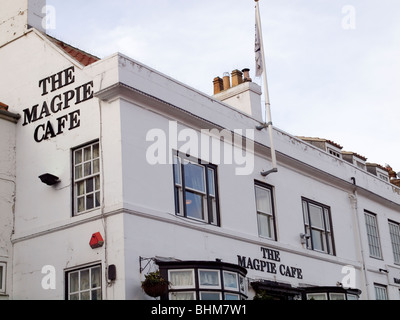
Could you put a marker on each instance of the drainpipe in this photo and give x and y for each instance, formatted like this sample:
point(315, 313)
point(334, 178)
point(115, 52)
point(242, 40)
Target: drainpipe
point(359, 243)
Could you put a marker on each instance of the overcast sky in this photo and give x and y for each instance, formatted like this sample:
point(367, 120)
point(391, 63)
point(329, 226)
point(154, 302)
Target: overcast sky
point(333, 66)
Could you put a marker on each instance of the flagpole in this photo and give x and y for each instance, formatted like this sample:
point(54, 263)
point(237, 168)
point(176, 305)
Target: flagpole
point(266, 93)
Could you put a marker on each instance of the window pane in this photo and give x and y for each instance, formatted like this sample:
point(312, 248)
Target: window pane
point(95, 277)
point(97, 199)
point(182, 278)
point(210, 296)
point(316, 216)
point(84, 279)
point(316, 296)
point(88, 153)
point(96, 166)
point(336, 296)
point(74, 296)
point(78, 156)
point(263, 200)
point(194, 205)
point(74, 282)
point(209, 278)
point(96, 294)
point(97, 183)
point(265, 227)
point(181, 296)
point(87, 169)
point(89, 185)
point(230, 280)
point(211, 184)
point(80, 188)
point(242, 285)
point(78, 172)
point(85, 295)
point(194, 177)
point(89, 201)
point(305, 213)
point(177, 170)
point(231, 296)
point(95, 151)
point(81, 204)
point(317, 238)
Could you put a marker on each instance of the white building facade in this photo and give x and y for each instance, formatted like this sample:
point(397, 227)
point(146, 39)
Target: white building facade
point(110, 170)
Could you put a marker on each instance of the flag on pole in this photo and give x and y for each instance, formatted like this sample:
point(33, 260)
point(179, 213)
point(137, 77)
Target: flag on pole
point(257, 50)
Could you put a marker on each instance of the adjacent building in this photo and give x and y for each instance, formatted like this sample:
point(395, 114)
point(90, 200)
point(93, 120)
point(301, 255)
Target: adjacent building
point(110, 170)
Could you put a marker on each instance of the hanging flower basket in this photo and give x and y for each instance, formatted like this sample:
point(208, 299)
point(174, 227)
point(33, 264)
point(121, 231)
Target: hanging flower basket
point(154, 285)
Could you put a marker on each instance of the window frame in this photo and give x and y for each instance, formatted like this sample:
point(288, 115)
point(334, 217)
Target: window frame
point(327, 230)
point(271, 217)
point(79, 270)
point(395, 240)
point(3, 271)
point(377, 236)
point(92, 176)
point(196, 267)
point(210, 196)
point(384, 291)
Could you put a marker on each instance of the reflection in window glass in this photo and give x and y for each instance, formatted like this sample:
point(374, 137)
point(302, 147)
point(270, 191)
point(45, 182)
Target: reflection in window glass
point(209, 278)
point(210, 296)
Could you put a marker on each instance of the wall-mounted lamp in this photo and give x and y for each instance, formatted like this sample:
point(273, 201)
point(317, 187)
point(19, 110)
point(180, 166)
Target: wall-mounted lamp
point(304, 237)
point(49, 179)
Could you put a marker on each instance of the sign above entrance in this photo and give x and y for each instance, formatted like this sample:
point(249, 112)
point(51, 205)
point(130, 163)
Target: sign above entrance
point(270, 263)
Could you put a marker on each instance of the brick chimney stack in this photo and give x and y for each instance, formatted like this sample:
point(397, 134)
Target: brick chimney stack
point(243, 95)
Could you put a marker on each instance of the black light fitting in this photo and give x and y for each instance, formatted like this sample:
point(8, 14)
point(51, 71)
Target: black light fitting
point(49, 179)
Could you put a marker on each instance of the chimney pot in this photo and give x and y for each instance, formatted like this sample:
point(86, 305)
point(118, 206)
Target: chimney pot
point(246, 75)
point(226, 81)
point(218, 85)
point(237, 77)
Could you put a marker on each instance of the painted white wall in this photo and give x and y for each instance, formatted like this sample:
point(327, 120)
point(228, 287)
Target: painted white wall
point(137, 217)
point(7, 198)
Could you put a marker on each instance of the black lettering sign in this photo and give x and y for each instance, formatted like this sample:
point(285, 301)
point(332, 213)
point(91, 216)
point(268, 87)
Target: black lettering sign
point(265, 264)
point(57, 104)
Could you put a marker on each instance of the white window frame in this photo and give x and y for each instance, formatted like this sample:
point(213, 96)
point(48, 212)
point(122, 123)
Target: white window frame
point(175, 294)
point(374, 242)
point(219, 293)
point(84, 179)
point(394, 231)
point(380, 291)
point(175, 287)
point(237, 296)
point(313, 295)
point(236, 288)
point(269, 215)
point(206, 286)
point(90, 289)
point(3, 271)
point(333, 294)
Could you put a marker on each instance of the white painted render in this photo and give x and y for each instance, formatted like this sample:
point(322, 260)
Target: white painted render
point(137, 215)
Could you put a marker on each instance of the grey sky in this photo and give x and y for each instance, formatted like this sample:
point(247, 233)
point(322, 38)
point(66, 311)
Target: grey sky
point(324, 80)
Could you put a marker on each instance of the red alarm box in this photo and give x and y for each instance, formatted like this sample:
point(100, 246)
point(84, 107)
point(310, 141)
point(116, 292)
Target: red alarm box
point(96, 240)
